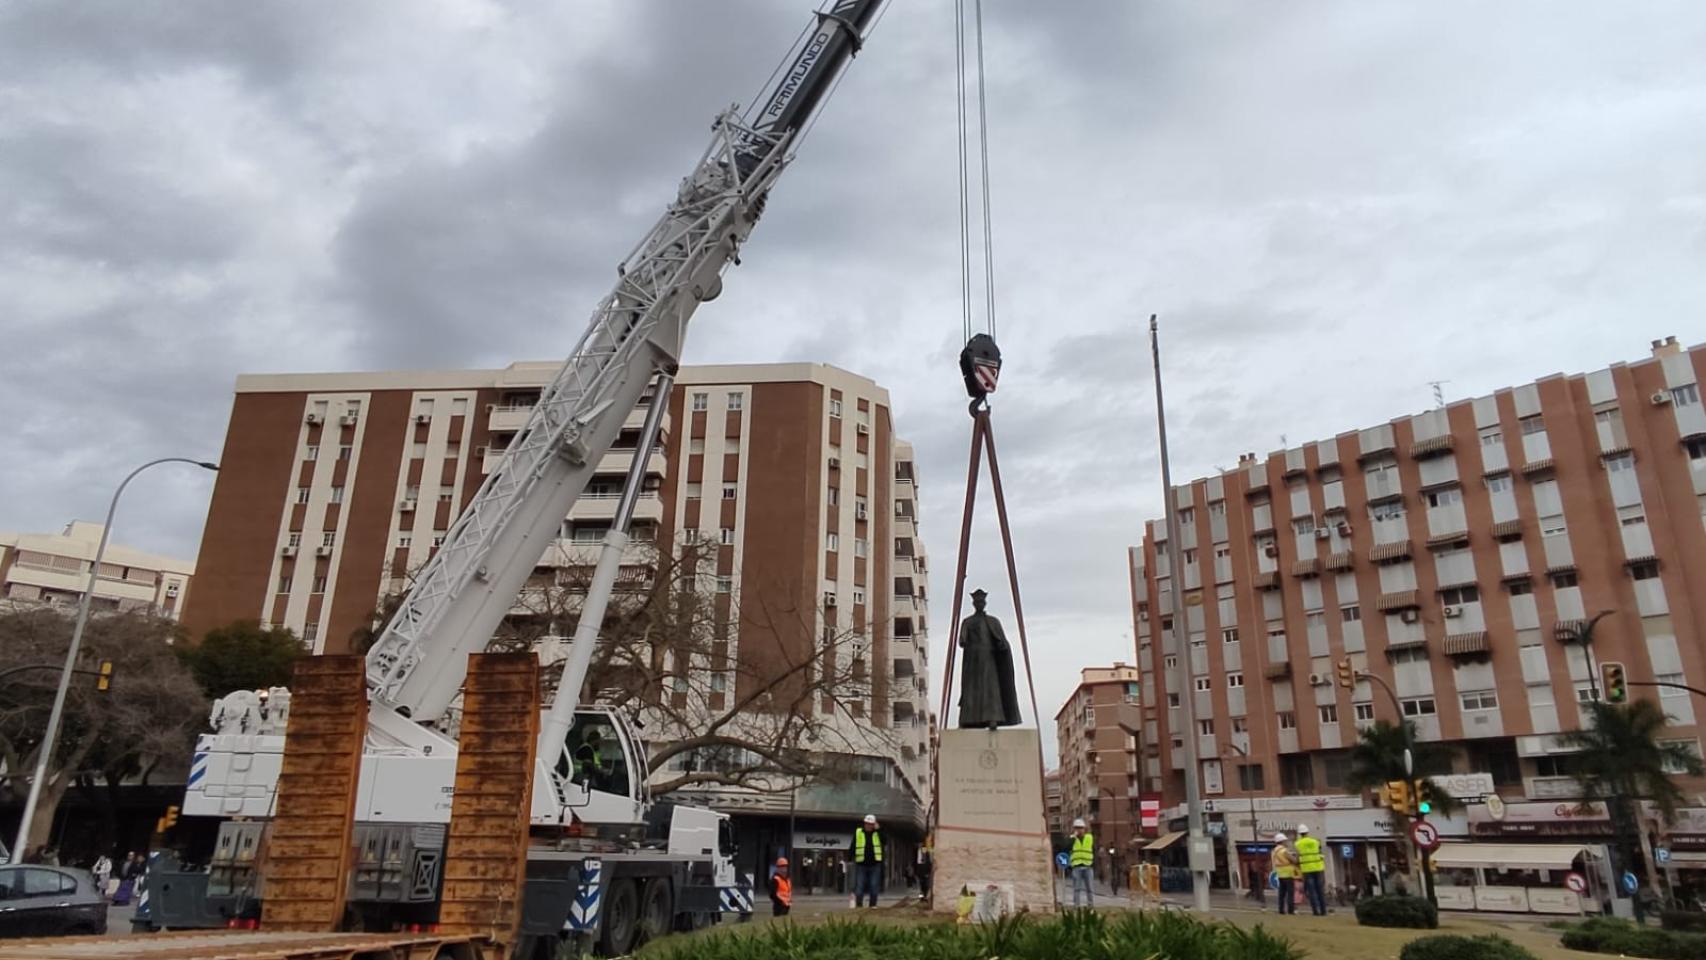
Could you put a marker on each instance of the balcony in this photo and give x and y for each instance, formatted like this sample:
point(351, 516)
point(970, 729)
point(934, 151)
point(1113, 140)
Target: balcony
point(1551, 788)
point(510, 418)
point(602, 506)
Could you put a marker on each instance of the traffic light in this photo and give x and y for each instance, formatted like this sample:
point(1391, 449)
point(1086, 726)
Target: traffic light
point(1424, 806)
point(1347, 675)
point(1398, 796)
point(1611, 679)
point(104, 676)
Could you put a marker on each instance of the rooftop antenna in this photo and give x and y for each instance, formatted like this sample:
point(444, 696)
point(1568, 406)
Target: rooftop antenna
point(1439, 393)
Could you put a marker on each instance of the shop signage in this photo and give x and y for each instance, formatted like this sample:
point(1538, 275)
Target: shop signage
point(1464, 786)
point(1556, 818)
point(1149, 807)
point(814, 840)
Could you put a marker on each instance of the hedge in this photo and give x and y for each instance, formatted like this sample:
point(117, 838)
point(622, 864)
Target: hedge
point(1606, 935)
point(1079, 935)
point(1453, 947)
point(1693, 920)
point(1397, 910)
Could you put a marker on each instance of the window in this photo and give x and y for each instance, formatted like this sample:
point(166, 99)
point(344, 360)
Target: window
point(1287, 720)
point(1205, 727)
point(1217, 508)
point(861, 547)
point(834, 497)
point(1419, 707)
point(1187, 515)
point(1480, 700)
point(1407, 655)
point(1364, 712)
point(1445, 497)
point(1229, 635)
point(301, 494)
point(1490, 437)
point(310, 631)
point(1552, 526)
point(1645, 570)
point(1453, 596)
point(1671, 767)
point(319, 584)
point(311, 452)
point(344, 451)
point(337, 494)
point(1520, 588)
point(1620, 463)
point(446, 493)
point(1170, 661)
point(295, 540)
point(1350, 614)
point(1172, 701)
point(1240, 724)
point(418, 450)
point(1234, 681)
point(1559, 766)
point(1586, 693)
point(737, 401)
point(1499, 483)
point(727, 535)
point(727, 585)
point(1198, 645)
point(701, 401)
point(284, 583)
point(405, 540)
point(1672, 691)
point(858, 595)
point(329, 538)
point(1329, 712)
point(1686, 395)
point(1303, 525)
point(719, 683)
point(1250, 777)
point(1204, 684)
point(1532, 425)
point(1696, 447)
point(438, 538)
point(832, 542)
point(1563, 578)
point(730, 491)
point(1190, 554)
point(1389, 510)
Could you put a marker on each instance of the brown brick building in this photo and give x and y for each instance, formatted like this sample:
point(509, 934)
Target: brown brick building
point(1446, 552)
point(1098, 772)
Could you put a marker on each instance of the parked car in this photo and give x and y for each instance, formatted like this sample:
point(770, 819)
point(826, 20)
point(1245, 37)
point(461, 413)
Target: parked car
point(37, 901)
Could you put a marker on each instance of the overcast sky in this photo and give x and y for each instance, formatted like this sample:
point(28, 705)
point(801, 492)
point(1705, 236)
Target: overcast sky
point(1329, 204)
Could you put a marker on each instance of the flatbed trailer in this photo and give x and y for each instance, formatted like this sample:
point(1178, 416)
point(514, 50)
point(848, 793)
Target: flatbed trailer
point(255, 945)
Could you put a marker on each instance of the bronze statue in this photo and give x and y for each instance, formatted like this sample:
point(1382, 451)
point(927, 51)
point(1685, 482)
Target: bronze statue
point(988, 697)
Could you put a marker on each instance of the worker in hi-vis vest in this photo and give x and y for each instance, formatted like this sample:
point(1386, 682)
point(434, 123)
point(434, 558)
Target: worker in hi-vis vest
point(1285, 873)
point(1082, 858)
point(1313, 867)
point(867, 856)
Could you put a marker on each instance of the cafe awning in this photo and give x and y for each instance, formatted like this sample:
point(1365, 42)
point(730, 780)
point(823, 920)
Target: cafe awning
point(1508, 856)
point(1165, 840)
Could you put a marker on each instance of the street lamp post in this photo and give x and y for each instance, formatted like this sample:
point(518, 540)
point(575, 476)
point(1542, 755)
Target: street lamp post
point(57, 713)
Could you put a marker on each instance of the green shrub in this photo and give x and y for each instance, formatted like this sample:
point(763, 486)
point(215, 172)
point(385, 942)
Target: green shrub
point(1453, 947)
point(1080, 935)
point(1606, 935)
point(1690, 920)
point(1397, 910)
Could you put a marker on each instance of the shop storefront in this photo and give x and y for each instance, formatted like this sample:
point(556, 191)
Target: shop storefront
point(1521, 877)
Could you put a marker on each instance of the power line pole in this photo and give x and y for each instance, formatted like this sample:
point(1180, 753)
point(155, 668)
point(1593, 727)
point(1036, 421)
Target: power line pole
point(1187, 711)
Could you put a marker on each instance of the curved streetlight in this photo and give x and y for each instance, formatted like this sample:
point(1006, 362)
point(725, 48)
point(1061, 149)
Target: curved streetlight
point(50, 737)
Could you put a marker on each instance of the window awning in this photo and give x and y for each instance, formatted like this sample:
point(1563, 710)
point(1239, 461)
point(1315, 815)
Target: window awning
point(1165, 840)
point(1508, 856)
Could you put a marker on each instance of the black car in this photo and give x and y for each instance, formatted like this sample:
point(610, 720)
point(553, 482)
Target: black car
point(38, 901)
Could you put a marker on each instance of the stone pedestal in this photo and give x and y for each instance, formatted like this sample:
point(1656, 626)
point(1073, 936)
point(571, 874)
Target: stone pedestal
point(990, 827)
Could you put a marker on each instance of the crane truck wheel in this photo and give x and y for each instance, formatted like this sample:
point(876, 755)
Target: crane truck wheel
point(657, 910)
point(621, 917)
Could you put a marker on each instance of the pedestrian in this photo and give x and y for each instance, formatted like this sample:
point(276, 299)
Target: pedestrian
point(781, 889)
point(1082, 863)
point(1285, 869)
point(926, 866)
point(867, 861)
point(103, 871)
point(1313, 867)
point(132, 866)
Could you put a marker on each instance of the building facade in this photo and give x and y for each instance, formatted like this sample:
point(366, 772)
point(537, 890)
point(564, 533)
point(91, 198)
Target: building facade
point(52, 569)
point(787, 477)
point(1099, 762)
point(1449, 553)
point(1054, 805)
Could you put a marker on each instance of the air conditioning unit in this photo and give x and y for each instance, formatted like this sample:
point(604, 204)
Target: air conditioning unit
point(1344, 529)
point(171, 589)
point(313, 418)
point(829, 598)
point(423, 418)
point(407, 504)
point(1408, 616)
point(347, 419)
point(1319, 680)
point(1661, 398)
point(1453, 612)
point(859, 512)
point(322, 551)
point(1322, 533)
point(1272, 551)
point(288, 551)
point(864, 428)
point(835, 463)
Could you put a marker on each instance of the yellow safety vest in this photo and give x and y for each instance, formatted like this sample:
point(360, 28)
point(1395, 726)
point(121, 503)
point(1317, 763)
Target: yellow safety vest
point(1309, 855)
point(1083, 850)
point(859, 846)
point(1285, 865)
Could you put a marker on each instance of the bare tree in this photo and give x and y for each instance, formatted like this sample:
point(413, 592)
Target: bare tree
point(147, 720)
point(749, 694)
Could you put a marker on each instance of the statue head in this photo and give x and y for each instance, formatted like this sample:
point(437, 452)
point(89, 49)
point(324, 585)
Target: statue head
point(977, 600)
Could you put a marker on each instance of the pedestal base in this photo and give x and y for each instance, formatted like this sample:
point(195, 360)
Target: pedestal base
point(990, 827)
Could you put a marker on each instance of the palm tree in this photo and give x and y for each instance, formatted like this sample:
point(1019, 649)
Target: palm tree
point(1620, 759)
point(1378, 758)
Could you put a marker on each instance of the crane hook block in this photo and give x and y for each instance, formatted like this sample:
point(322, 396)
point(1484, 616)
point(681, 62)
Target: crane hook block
point(980, 364)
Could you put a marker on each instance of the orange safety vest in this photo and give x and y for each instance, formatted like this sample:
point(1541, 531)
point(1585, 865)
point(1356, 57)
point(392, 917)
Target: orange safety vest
point(784, 890)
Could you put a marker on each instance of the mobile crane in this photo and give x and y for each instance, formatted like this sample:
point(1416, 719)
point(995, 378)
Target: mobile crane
point(650, 853)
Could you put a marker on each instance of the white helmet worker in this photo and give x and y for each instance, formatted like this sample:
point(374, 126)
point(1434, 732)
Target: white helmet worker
point(1279, 838)
point(1303, 829)
point(1078, 823)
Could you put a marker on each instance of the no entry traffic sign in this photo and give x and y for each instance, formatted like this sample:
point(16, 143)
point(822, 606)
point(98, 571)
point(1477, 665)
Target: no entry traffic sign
point(1576, 882)
point(1425, 834)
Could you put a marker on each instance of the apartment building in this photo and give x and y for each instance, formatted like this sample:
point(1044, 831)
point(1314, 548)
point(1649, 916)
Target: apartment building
point(53, 568)
point(1054, 805)
point(1450, 553)
point(1098, 774)
point(334, 488)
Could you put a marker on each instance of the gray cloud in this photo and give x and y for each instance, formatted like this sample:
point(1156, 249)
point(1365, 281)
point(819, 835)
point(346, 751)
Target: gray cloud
point(1329, 204)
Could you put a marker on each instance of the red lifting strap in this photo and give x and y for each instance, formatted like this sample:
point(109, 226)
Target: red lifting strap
point(983, 441)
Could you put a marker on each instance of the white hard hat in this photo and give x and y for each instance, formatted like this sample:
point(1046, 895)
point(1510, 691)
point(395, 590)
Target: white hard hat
point(870, 818)
point(1302, 829)
point(1078, 822)
point(1279, 838)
